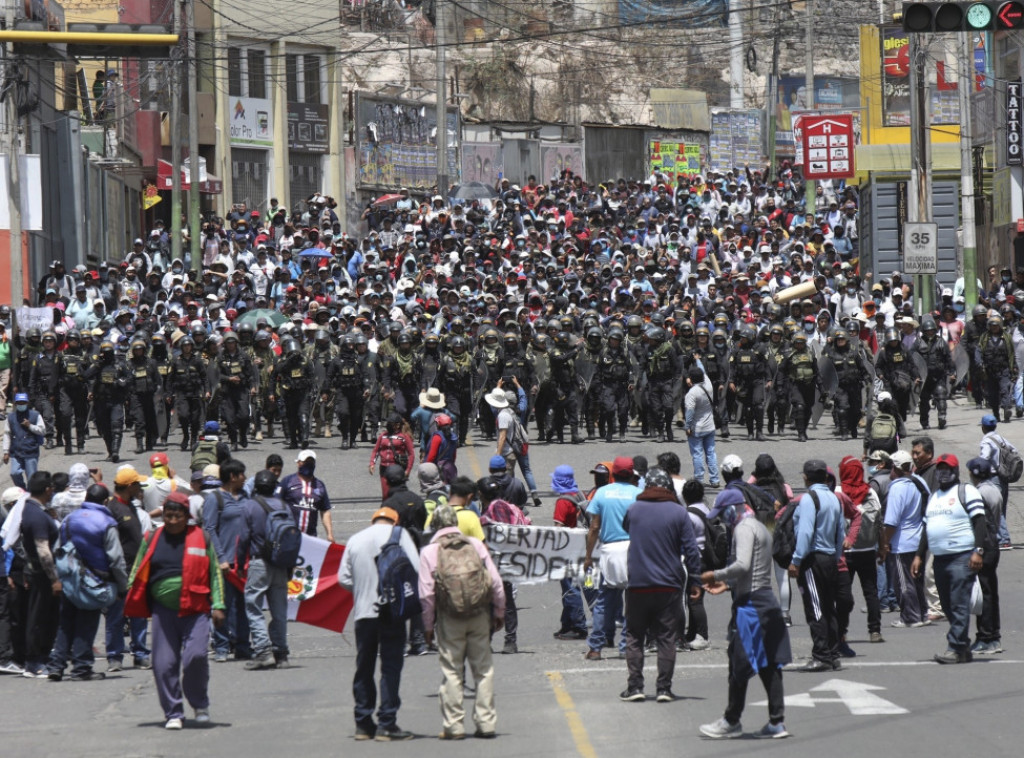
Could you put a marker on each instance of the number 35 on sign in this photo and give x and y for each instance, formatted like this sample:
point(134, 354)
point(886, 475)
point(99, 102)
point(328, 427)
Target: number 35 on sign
point(921, 248)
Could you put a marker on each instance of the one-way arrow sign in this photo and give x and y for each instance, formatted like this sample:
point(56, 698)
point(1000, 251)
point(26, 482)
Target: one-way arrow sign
point(858, 697)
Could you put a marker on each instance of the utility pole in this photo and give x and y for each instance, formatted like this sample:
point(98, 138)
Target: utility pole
point(967, 221)
point(194, 224)
point(919, 201)
point(772, 94)
point(735, 55)
point(442, 98)
point(12, 148)
point(809, 97)
point(175, 128)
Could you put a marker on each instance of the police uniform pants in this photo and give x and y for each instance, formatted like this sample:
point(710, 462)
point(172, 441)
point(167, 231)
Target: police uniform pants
point(110, 421)
point(45, 407)
point(459, 405)
point(934, 391)
point(190, 415)
point(801, 396)
point(660, 404)
point(296, 408)
point(753, 399)
point(348, 408)
point(566, 411)
point(997, 389)
point(406, 401)
point(613, 402)
point(234, 406)
point(142, 407)
point(849, 398)
point(74, 405)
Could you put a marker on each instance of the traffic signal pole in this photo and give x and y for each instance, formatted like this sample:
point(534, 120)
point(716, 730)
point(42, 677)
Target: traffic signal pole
point(920, 199)
point(967, 220)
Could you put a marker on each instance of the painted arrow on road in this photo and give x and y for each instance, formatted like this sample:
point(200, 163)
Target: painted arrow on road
point(858, 697)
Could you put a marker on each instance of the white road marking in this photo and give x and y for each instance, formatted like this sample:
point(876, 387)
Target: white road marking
point(699, 666)
point(858, 697)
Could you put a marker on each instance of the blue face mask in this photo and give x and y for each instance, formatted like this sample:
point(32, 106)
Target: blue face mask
point(809, 328)
point(21, 407)
point(958, 307)
point(307, 469)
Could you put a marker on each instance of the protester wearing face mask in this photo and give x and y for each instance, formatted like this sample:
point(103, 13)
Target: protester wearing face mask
point(955, 534)
point(22, 438)
point(307, 496)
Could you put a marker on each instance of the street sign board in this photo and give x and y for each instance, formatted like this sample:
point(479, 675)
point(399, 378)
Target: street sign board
point(1013, 124)
point(920, 248)
point(828, 146)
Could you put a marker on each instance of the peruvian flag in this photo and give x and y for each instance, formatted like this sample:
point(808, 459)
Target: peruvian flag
point(314, 595)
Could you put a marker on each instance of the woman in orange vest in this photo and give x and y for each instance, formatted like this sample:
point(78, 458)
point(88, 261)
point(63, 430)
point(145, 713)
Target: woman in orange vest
point(177, 580)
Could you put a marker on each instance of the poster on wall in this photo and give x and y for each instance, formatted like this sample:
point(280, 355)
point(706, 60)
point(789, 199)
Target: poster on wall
point(945, 103)
point(691, 14)
point(830, 93)
point(735, 139)
point(481, 162)
point(554, 159)
point(672, 158)
point(250, 122)
point(308, 126)
point(397, 145)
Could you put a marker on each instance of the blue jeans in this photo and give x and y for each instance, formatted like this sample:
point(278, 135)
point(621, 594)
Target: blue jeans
point(75, 634)
point(22, 469)
point(236, 627)
point(886, 592)
point(524, 466)
point(115, 634)
point(270, 582)
point(954, 581)
point(607, 608)
point(702, 450)
point(373, 635)
point(573, 617)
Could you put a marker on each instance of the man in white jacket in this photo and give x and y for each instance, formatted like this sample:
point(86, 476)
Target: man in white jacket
point(700, 425)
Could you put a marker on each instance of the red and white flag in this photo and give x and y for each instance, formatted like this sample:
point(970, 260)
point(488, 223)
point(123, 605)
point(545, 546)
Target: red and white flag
point(314, 595)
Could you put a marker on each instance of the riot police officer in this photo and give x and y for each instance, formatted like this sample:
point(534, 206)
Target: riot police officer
point(158, 352)
point(109, 379)
point(972, 334)
point(263, 360)
point(896, 370)
point(801, 380)
point(73, 403)
point(563, 374)
point(347, 381)
point(142, 387)
point(614, 379)
point(490, 360)
point(29, 350)
point(995, 354)
point(292, 380)
point(370, 364)
point(402, 376)
point(777, 401)
point(43, 383)
point(189, 389)
point(238, 383)
point(748, 373)
point(664, 366)
point(320, 352)
point(851, 371)
point(938, 361)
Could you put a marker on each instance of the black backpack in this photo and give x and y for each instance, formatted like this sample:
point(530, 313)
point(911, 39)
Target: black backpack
point(398, 584)
point(283, 539)
point(784, 536)
point(760, 500)
point(715, 554)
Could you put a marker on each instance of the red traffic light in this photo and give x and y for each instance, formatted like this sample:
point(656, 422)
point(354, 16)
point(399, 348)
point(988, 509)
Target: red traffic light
point(1010, 15)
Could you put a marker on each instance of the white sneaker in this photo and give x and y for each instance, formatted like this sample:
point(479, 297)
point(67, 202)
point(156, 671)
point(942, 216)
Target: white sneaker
point(173, 724)
point(12, 668)
point(202, 715)
point(772, 732)
point(699, 643)
point(721, 730)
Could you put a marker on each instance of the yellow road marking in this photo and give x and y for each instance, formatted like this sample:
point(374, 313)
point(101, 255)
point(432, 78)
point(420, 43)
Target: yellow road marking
point(579, 733)
point(474, 462)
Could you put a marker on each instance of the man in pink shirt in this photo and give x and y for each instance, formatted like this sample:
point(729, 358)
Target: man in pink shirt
point(463, 635)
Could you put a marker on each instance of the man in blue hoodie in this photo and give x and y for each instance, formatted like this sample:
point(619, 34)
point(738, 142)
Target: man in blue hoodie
point(820, 531)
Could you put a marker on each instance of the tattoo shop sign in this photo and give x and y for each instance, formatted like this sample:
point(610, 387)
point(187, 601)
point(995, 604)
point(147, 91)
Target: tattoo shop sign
point(535, 554)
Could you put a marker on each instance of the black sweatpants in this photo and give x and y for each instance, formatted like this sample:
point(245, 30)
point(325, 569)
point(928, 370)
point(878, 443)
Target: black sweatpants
point(652, 616)
point(863, 566)
point(818, 581)
point(771, 678)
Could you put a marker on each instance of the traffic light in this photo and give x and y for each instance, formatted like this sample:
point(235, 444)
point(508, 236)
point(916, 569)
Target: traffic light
point(962, 16)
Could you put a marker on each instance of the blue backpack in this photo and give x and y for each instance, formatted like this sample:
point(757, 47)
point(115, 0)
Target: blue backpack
point(398, 583)
point(283, 539)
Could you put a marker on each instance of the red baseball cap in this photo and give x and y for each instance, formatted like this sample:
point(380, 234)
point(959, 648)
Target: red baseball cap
point(622, 465)
point(948, 459)
point(159, 459)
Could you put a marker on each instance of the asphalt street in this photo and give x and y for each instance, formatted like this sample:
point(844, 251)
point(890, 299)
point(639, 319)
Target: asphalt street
point(890, 698)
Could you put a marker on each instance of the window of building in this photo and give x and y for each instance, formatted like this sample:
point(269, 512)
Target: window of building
point(312, 83)
point(235, 72)
point(257, 73)
point(291, 75)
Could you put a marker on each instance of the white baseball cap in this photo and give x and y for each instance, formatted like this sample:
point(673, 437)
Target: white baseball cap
point(732, 463)
point(305, 455)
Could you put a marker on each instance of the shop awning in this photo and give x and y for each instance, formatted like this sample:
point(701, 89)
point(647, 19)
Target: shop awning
point(212, 185)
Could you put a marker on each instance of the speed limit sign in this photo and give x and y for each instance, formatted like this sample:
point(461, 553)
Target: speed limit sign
point(920, 248)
